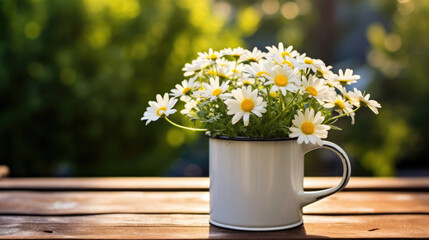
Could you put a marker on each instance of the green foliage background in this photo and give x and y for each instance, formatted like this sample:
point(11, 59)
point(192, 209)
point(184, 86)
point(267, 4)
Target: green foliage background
point(76, 76)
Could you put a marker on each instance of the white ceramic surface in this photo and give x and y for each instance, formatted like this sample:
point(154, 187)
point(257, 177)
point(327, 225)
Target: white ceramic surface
point(258, 185)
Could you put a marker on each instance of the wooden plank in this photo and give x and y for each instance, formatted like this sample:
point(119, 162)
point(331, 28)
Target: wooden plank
point(199, 184)
point(185, 226)
point(103, 183)
point(78, 203)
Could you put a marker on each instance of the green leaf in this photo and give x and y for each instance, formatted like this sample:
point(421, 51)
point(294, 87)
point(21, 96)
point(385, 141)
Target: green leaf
point(335, 127)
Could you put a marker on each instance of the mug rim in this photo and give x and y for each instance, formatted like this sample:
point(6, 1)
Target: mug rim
point(249, 139)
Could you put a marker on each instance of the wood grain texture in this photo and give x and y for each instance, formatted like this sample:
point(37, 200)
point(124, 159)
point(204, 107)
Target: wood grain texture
point(199, 184)
point(78, 203)
point(177, 208)
point(184, 226)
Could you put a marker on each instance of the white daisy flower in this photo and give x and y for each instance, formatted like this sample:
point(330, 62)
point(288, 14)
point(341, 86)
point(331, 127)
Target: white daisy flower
point(316, 88)
point(349, 96)
point(244, 103)
point(283, 78)
point(215, 90)
point(245, 81)
point(238, 71)
point(195, 67)
point(345, 78)
point(280, 53)
point(323, 69)
point(257, 70)
point(272, 94)
point(162, 106)
point(289, 62)
point(308, 127)
point(223, 62)
point(183, 91)
point(211, 55)
point(341, 105)
point(252, 56)
point(236, 52)
point(364, 101)
point(303, 62)
point(191, 107)
point(225, 71)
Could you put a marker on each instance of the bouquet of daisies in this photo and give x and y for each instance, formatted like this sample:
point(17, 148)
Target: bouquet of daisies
point(276, 94)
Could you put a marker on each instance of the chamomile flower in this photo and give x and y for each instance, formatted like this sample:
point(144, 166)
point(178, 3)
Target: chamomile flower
point(349, 96)
point(303, 62)
point(366, 102)
point(223, 62)
point(195, 67)
point(238, 71)
point(225, 71)
point(345, 77)
point(211, 55)
point(162, 106)
point(308, 127)
point(245, 81)
point(324, 70)
point(215, 90)
point(339, 104)
point(283, 78)
point(185, 89)
point(191, 107)
point(316, 88)
point(244, 103)
point(280, 52)
point(252, 56)
point(257, 70)
point(235, 53)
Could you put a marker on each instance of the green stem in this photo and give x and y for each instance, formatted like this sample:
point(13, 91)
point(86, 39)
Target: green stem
point(293, 99)
point(183, 127)
point(201, 81)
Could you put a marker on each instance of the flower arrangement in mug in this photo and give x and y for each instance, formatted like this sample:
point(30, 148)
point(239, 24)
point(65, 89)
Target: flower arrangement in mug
point(277, 94)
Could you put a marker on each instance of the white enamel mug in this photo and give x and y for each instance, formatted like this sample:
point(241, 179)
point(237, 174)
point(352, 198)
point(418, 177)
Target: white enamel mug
point(258, 185)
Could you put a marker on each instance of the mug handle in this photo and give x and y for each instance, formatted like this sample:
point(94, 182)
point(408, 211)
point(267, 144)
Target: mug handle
point(313, 196)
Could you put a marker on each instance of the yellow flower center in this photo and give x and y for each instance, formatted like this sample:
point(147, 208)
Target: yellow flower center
point(307, 128)
point(285, 54)
point(222, 75)
point(247, 105)
point(311, 90)
point(186, 90)
point(247, 82)
point(308, 61)
point(212, 72)
point(235, 71)
point(259, 74)
point(339, 104)
point(216, 92)
point(252, 59)
point(213, 56)
point(273, 94)
point(280, 80)
point(161, 109)
point(288, 63)
point(342, 81)
point(363, 103)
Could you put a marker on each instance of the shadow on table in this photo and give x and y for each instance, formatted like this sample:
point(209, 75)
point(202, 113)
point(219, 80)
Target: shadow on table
point(298, 232)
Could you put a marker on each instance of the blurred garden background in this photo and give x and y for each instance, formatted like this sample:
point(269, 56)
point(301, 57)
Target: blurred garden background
point(76, 76)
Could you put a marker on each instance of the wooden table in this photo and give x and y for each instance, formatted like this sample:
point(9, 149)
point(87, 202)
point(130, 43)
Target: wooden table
point(176, 208)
